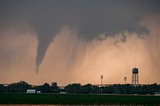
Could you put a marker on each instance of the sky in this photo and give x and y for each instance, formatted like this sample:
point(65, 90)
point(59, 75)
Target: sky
point(77, 41)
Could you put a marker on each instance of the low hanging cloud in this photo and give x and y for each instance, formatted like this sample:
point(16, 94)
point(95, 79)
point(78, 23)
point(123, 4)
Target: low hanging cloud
point(90, 19)
point(70, 59)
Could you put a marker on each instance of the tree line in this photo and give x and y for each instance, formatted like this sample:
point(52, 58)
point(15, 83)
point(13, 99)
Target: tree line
point(77, 88)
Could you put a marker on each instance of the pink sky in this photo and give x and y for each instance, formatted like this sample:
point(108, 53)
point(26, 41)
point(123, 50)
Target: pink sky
point(71, 60)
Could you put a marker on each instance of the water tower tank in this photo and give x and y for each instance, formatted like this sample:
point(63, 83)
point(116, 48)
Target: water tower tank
point(135, 70)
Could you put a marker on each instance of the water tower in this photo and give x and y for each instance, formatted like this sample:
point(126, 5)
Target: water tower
point(135, 79)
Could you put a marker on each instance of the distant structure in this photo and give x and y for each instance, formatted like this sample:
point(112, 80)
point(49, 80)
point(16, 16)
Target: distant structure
point(101, 80)
point(125, 80)
point(135, 79)
point(101, 83)
point(31, 91)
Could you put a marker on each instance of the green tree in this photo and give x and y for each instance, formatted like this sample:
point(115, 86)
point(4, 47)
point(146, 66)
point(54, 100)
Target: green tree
point(54, 87)
point(45, 88)
point(21, 86)
point(73, 88)
point(86, 89)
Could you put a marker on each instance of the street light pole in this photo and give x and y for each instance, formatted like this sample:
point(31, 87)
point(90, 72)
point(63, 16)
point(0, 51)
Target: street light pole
point(101, 82)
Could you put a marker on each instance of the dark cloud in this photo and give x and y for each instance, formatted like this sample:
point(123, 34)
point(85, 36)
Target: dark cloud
point(90, 17)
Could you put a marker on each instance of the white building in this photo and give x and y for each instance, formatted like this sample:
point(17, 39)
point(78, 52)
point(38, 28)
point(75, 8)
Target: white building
point(38, 91)
point(157, 93)
point(31, 91)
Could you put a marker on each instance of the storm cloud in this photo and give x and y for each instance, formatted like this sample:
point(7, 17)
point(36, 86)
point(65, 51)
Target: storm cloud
point(90, 18)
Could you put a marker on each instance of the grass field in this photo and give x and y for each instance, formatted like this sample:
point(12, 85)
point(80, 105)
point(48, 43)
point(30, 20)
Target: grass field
point(21, 98)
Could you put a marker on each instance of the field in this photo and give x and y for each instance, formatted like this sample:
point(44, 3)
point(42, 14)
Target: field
point(22, 98)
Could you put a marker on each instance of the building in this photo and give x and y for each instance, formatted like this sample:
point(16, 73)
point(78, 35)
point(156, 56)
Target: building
point(31, 91)
point(157, 93)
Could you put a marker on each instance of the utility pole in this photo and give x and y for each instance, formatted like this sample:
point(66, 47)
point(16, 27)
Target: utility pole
point(101, 82)
point(125, 80)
